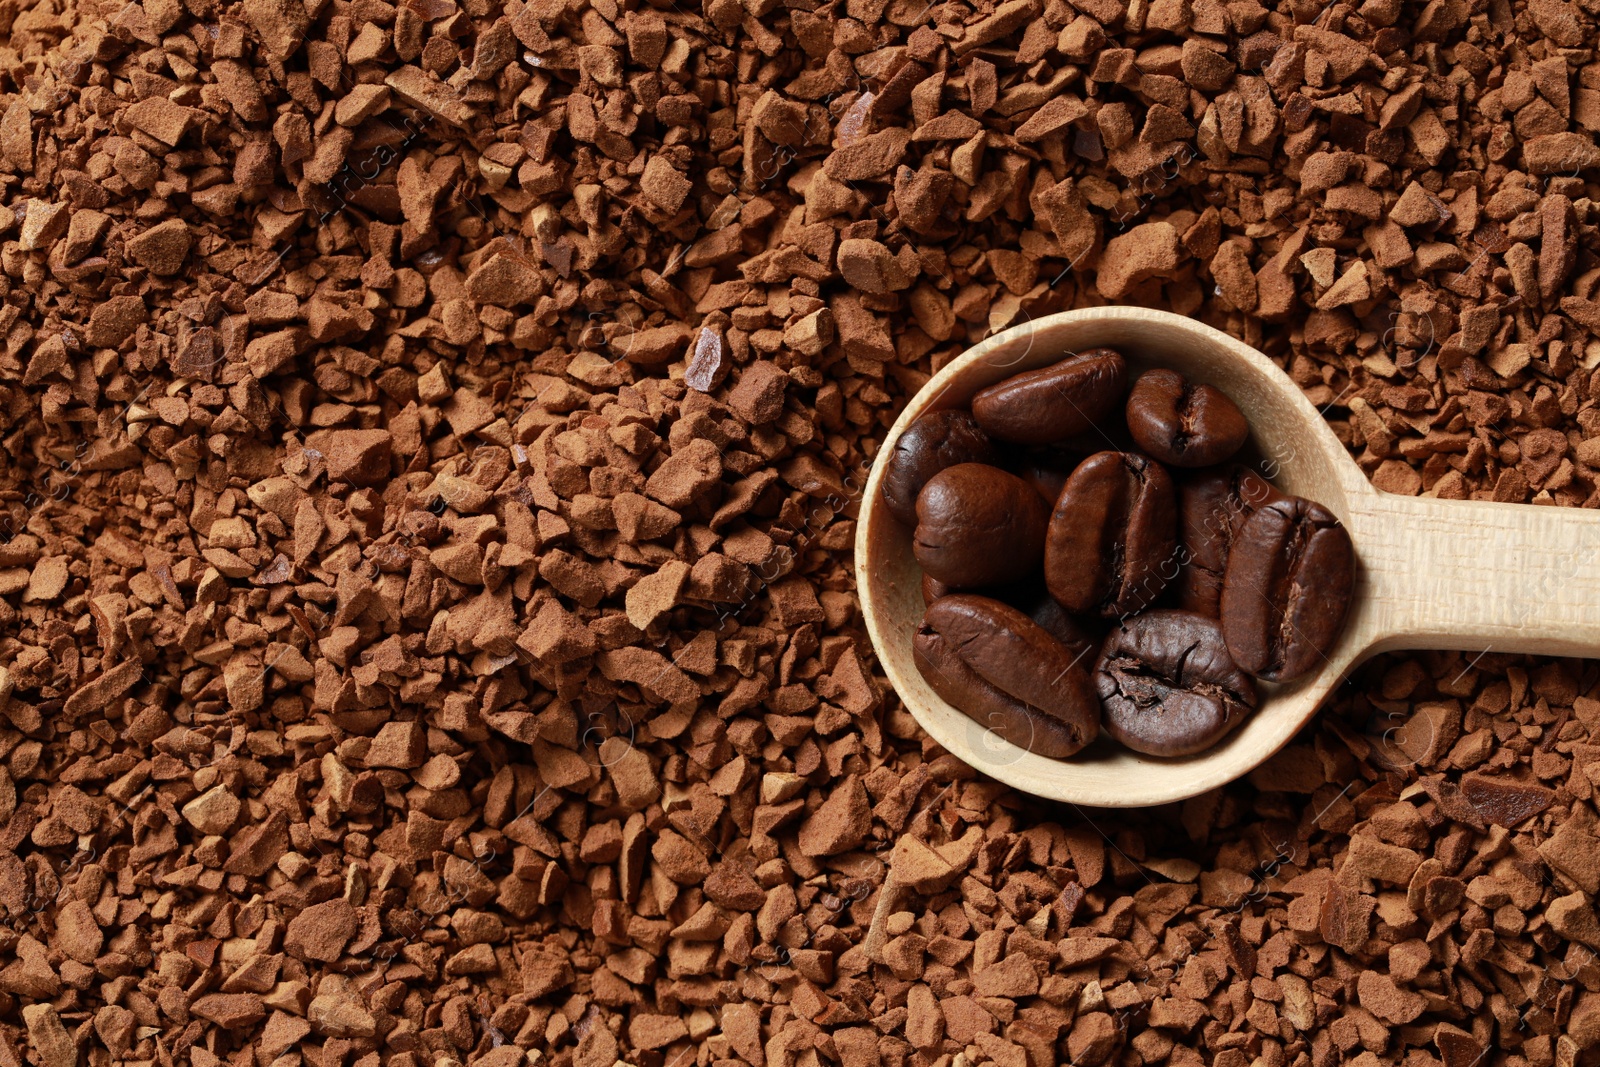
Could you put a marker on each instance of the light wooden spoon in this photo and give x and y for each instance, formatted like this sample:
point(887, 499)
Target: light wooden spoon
point(1431, 573)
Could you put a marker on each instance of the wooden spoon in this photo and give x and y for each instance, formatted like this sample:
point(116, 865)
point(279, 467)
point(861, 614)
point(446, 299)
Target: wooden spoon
point(1431, 573)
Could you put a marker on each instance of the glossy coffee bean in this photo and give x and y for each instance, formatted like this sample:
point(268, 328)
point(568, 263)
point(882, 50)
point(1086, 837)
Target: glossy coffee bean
point(1113, 535)
point(1017, 657)
point(1051, 404)
point(934, 442)
point(978, 526)
point(1213, 507)
point(1184, 424)
point(933, 589)
point(1167, 685)
point(963, 689)
point(1287, 590)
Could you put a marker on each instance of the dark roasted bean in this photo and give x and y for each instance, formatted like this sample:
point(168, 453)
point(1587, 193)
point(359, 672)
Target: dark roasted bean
point(1213, 507)
point(1047, 480)
point(978, 525)
point(934, 442)
point(963, 689)
point(1013, 652)
point(1113, 535)
point(1184, 424)
point(1289, 581)
point(1167, 685)
point(1051, 404)
point(933, 589)
point(1016, 656)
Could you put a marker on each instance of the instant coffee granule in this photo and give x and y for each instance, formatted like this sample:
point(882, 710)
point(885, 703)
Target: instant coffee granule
point(434, 433)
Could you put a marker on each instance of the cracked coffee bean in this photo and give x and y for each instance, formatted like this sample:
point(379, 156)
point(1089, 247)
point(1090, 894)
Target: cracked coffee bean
point(1168, 686)
point(1112, 536)
point(933, 443)
point(1182, 423)
point(1288, 587)
point(977, 526)
point(1051, 404)
point(1213, 507)
point(1049, 706)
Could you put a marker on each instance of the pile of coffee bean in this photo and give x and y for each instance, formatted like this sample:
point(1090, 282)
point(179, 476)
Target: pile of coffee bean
point(1074, 581)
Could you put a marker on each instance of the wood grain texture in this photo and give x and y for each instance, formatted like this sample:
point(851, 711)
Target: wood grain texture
point(1431, 573)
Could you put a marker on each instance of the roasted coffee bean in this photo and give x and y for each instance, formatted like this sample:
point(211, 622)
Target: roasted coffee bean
point(1051, 404)
point(1113, 535)
point(1184, 424)
point(1213, 507)
point(1287, 590)
point(1011, 651)
point(933, 589)
point(978, 525)
point(1167, 685)
point(934, 442)
point(1049, 472)
point(1015, 655)
point(965, 690)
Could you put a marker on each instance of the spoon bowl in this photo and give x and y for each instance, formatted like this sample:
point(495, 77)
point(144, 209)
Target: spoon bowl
point(1445, 574)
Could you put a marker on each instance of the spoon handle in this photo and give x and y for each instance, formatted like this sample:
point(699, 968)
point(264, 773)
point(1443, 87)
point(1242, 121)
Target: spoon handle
point(1476, 576)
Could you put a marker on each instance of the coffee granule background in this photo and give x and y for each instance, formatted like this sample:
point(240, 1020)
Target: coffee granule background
point(434, 437)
